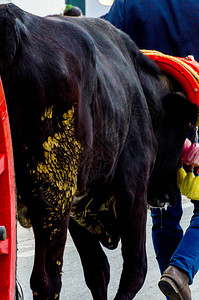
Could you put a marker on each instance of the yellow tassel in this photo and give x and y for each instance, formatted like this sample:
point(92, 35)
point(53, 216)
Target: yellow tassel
point(187, 183)
point(194, 192)
point(181, 174)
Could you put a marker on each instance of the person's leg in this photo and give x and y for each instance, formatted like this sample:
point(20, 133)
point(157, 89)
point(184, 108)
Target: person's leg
point(184, 263)
point(186, 256)
point(166, 232)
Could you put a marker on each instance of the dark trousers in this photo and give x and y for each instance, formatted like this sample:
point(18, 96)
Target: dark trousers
point(171, 246)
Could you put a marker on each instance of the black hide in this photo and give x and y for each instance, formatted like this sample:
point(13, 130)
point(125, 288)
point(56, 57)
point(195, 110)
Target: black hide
point(88, 113)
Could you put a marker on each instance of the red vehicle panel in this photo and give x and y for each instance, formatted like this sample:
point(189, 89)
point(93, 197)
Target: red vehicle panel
point(7, 207)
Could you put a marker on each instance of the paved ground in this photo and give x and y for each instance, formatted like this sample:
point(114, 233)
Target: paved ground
point(74, 287)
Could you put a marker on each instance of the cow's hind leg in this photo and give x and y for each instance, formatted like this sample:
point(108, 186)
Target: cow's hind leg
point(46, 275)
point(94, 261)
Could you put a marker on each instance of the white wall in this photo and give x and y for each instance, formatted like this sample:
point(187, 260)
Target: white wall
point(47, 7)
point(94, 9)
point(39, 7)
point(3, 2)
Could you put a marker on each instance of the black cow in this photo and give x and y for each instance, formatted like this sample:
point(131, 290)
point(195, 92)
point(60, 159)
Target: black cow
point(86, 109)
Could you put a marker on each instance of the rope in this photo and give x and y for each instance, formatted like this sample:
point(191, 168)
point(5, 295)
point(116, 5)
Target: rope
point(177, 60)
point(86, 209)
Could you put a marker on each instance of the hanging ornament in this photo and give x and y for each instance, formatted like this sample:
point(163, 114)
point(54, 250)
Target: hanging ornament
point(185, 149)
point(187, 182)
point(191, 152)
point(181, 174)
point(194, 191)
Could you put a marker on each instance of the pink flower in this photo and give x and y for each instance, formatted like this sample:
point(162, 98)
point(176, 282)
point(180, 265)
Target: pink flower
point(191, 156)
point(185, 149)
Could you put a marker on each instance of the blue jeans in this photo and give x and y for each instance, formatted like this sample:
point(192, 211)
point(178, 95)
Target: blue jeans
point(171, 246)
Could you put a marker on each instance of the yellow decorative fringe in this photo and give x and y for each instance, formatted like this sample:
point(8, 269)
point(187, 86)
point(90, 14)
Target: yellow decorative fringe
point(181, 174)
point(188, 184)
point(194, 191)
